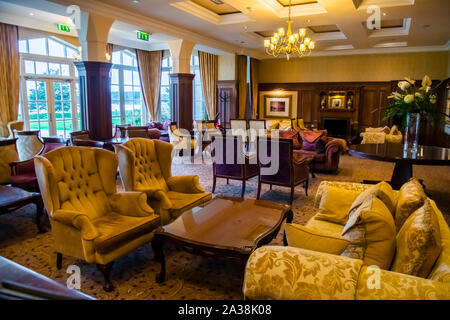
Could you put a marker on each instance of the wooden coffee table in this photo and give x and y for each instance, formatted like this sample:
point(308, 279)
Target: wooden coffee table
point(229, 227)
point(12, 198)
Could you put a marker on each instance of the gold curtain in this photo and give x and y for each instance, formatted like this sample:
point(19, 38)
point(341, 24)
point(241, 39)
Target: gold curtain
point(149, 65)
point(254, 85)
point(9, 76)
point(209, 74)
point(241, 77)
point(109, 49)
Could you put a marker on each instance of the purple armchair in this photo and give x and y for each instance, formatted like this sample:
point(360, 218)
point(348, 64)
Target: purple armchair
point(293, 168)
point(240, 168)
point(22, 172)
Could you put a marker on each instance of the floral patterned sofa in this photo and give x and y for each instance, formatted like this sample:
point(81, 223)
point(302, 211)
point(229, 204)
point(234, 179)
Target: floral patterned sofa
point(294, 273)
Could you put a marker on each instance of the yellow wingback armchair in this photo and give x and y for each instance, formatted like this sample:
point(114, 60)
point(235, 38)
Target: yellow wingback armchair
point(290, 273)
point(89, 219)
point(145, 165)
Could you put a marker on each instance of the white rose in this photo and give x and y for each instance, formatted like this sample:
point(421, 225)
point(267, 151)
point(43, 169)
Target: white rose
point(409, 98)
point(404, 85)
point(418, 94)
point(426, 82)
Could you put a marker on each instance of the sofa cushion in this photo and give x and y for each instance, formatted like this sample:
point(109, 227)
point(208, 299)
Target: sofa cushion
point(383, 191)
point(335, 204)
point(326, 227)
point(117, 230)
point(418, 243)
point(307, 238)
point(318, 157)
point(291, 134)
point(285, 125)
point(371, 231)
point(411, 197)
point(272, 124)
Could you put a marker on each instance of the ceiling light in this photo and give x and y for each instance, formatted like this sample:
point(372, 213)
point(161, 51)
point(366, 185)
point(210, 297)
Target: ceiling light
point(31, 14)
point(391, 44)
point(289, 43)
point(385, 14)
point(309, 20)
point(136, 1)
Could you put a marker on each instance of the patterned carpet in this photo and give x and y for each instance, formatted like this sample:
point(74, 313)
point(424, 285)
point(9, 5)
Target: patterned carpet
point(190, 276)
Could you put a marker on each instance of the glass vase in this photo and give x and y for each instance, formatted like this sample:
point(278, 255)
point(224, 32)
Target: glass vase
point(412, 131)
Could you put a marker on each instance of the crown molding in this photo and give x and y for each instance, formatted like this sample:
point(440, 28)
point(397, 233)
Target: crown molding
point(296, 10)
point(364, 4)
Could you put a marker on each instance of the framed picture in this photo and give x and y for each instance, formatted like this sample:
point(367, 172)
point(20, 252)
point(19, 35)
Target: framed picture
point(337, 102)
point(277, 106)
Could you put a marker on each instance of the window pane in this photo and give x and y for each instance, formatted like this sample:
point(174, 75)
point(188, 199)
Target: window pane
point(37, 46)
point(115, 94)
point(29, 66)
point(116, 57)
point(165, 78)
point(71, 52)
point(136, 80)
point(65, 70)
point(41, 67)
point(55, 49)
point(23, 46)
point(54, 69)
point(115, 76)
point(127, 77)
point(127, 59)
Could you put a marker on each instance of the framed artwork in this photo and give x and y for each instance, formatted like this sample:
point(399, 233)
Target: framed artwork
point(278, 106)
point(336, 102)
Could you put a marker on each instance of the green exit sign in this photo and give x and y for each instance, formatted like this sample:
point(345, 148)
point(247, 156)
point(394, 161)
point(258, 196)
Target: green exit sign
point(63, 27)
point(143, 35)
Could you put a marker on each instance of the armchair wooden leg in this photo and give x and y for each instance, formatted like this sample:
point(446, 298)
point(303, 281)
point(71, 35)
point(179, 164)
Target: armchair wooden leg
point(243, 189)
point(270, 187)
point(306, 186)
point(59, 257)
point(228, 181)
point(214, 184)
point(106, 271)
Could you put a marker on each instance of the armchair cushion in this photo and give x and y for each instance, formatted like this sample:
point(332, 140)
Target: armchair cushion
point(131, 204)
point(335, 204)
point(303, 237)
point(418, 243)
point(411, 197)
point(184, 201)
point(371, 231)
point(318, 157)
point(24, 180)
point(116, 230)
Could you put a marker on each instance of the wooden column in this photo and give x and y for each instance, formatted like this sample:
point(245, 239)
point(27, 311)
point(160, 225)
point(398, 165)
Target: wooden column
point(181, 98)
point(95, 102)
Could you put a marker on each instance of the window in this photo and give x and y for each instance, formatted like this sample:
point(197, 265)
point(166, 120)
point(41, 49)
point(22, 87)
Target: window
point(198, 99)
point(48, 86)
point(126, 99)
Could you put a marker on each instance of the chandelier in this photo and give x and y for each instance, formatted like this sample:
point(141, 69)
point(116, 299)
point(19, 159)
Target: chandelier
point(289, 43)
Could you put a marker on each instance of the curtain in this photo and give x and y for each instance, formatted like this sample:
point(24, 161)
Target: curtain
point(149, 66)
point(241, 77)
point(254, 86)
point(9, 76)
point(109, 49)
point(209, 74)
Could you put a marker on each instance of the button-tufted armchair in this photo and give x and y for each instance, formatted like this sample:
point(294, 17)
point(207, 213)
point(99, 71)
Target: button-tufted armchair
point(12, 126)
point(29, 144)
point(145, 165)
point(89, 219)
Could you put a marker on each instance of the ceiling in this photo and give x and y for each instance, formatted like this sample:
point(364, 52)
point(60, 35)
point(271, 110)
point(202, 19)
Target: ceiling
point(337, 26)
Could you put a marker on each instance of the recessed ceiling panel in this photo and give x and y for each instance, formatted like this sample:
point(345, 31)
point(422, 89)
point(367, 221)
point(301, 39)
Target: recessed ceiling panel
point(296, 2)
point(216, 6)
point(396, 23)
point(325, 28)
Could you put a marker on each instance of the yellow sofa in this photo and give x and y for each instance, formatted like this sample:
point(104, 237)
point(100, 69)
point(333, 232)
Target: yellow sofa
point(90, 220)
point(145, 165)
point(275, 272)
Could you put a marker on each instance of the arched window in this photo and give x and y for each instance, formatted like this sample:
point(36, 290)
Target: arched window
point(49, 85)
point(126, 98)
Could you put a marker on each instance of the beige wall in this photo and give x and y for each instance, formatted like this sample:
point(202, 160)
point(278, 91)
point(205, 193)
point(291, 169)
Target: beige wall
point(372, 67)
point(227, 67)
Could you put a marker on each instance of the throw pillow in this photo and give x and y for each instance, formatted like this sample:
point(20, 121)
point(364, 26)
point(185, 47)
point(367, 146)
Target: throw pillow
point(334, 205)
point(418, 243)
point(291, 134)
point(272, 124)
point(371, 232)
point(285, 125)
point(411, 197)
point(313, 140)
point(310, 239)
point(383, 191)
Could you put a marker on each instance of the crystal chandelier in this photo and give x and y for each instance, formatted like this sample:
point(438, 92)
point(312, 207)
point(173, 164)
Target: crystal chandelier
point(289, 43)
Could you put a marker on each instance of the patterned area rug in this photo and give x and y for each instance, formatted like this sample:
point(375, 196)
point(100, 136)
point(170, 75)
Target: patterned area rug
point(190, 276)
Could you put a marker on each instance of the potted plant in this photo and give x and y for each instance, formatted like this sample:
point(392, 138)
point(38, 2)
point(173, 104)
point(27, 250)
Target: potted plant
point(410, 103)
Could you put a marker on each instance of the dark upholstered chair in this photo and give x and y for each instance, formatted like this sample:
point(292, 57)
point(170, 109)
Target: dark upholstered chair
point(23, 174)
point(79, 135)
point(240, 167)
point(293, 168)
point(88, 143)
point(136, 131)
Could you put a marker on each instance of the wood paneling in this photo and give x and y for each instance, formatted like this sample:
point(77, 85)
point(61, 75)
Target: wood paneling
point(95, 102)
point(181, 97)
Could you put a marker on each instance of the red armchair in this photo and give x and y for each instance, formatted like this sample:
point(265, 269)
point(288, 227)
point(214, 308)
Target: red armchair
point(22, 172)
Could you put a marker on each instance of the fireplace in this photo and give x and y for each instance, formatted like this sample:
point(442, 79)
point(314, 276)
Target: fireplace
point(337, 127)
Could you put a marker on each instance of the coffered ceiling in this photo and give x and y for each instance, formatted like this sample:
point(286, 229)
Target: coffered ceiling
point(337, 26)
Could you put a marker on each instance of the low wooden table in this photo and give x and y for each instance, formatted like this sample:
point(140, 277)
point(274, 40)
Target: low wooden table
point(230, 227)
point(12, 198)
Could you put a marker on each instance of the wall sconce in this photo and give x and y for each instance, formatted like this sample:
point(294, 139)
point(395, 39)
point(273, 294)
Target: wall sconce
point(108, 57)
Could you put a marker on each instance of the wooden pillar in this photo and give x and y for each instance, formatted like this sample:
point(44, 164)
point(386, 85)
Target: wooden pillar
point(95, 102)
point(181, 97)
